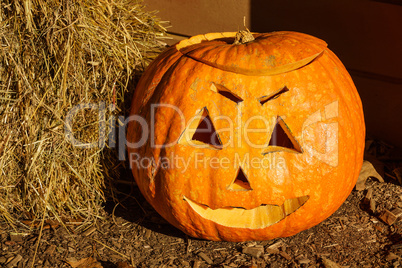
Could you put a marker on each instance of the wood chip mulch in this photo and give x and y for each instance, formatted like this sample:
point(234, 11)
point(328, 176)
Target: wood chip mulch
point(366, 231)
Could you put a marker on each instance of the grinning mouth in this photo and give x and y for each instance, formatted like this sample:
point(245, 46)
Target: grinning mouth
point(256, 218)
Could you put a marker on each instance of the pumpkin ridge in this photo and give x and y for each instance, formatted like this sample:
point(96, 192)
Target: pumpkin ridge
point(358, 124)
point(350, 113)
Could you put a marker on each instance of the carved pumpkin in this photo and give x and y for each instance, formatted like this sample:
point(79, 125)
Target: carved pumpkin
point(244, 141)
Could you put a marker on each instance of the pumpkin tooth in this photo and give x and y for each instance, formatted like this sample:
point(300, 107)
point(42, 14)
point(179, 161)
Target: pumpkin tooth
point(291, 205)
point(256, 218)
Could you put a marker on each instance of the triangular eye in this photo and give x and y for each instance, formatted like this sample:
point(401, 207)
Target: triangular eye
point(265, 99)
point(225, 93)
point(282, 139)
point(240, 183)
point(206, 132)
point(201, 133)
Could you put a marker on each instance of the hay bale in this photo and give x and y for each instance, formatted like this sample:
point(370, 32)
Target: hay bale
point(56, 55)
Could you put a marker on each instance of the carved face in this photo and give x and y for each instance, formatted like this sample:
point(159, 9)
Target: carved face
point(246, 142)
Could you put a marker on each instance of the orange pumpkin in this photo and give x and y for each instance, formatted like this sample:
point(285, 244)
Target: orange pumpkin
point(251, 140)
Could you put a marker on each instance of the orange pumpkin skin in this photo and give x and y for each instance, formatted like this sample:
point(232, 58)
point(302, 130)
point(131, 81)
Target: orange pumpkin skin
point(321, 109)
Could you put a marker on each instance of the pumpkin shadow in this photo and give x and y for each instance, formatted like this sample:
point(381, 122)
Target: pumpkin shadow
point(124, 198)
point(108, 264)
point(130, 204)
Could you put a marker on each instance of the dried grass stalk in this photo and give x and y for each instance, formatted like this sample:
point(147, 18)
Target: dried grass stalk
point(55, 55)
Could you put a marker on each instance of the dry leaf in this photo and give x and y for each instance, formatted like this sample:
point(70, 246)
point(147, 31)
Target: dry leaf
point(398, 174)
point(391, 256)
point(330, 264)
point(85, 263)
point(367, 171)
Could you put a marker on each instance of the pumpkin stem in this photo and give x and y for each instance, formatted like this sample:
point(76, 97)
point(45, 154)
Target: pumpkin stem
point(243, 37)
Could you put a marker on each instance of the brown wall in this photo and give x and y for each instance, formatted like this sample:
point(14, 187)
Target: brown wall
point(366, 36)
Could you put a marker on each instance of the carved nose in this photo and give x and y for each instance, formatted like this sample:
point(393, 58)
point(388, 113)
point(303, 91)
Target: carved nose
point(240, 182)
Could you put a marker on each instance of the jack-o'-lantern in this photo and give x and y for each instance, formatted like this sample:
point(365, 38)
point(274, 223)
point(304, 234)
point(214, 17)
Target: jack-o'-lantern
point(246, 139)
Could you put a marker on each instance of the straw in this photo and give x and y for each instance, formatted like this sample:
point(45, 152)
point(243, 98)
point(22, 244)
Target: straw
point(56, 55)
